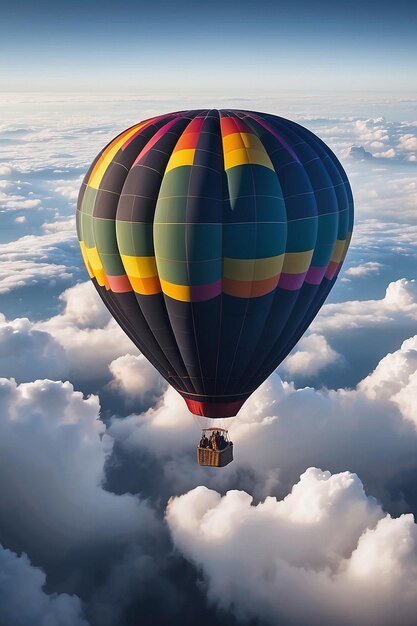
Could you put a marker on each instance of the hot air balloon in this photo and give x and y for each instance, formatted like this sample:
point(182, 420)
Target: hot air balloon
point(214, 237)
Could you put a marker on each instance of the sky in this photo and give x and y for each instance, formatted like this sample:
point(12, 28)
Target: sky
point(217, 47)
point(105, 517)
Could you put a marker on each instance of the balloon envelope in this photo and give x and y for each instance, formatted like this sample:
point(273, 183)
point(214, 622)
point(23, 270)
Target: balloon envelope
point(214, 238)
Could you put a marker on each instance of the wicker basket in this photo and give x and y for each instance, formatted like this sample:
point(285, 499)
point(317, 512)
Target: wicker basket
point(215, 458)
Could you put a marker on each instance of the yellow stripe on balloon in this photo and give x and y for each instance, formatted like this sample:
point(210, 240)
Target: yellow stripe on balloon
point(145, 286)
point(297, 262)
point(235, 141)
point(109, 153)
point(252, 269)
point(96, 266)
point(339, 250)
point(181, 157)
point(139, 266)
point(232, 142)
point(244, 148)
point(244, 156)
point(85, 259)
point(177, 292)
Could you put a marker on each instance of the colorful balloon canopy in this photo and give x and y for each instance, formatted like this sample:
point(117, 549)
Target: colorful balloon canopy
point(214, 237)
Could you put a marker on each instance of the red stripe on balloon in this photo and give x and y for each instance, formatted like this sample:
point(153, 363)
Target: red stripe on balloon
point(231, 125)
point(214, 409)
point(332, 269)
point(119, 284)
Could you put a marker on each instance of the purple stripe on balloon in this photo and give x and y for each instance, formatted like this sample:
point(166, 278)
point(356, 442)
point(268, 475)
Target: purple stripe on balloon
point(205, 292)
point(315, 275)
point(277, 136)
point(291, 281)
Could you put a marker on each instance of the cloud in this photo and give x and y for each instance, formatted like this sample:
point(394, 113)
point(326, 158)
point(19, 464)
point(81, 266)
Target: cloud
point(370, 429)
point(326, 551)
point(24, 601)
point(5, 169)
point(83, 307)
point(69, 189)
point(81, 344)
point(112, 550)
point(312, 354)
point(399, 303)
point(59, 225)
point(387, 139)
point(408, 142)
point(371, 267)
point(89, 335)
point(395, 240)
point(386, 154)
point(109, 549)
point(395, 378)
point(52, 454)
point(15, 202)
point(359, 153)
point(137, 381)
point(27, 353)
point(346, 327)
point(34, 259)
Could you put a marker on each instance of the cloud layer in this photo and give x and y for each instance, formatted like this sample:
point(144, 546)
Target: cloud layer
point(93, 444)
point(326, 551)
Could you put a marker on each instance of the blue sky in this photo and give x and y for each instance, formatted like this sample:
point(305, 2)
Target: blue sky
point(197, 47)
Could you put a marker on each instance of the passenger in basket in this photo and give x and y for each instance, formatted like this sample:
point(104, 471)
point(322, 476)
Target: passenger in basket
point(213, 441)
point(204, 442)
point(218, 440)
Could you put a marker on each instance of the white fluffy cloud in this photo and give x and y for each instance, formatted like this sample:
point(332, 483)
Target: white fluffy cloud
point(78, 344)
point(32, 259)
point(371, 267)
point(370, 429)
point(52, 454)
point(399, 303)
point(5, 169)
point(69, 189)
point(386, 139)
point(326, 551)
point(136, 378)
point(27, 353)
point(14, 202)
point(395, 380)
point(386, 197)
point(312, 354)
point(408, 142)
point(89, 335)
point(23, 600)
point(84, 307)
